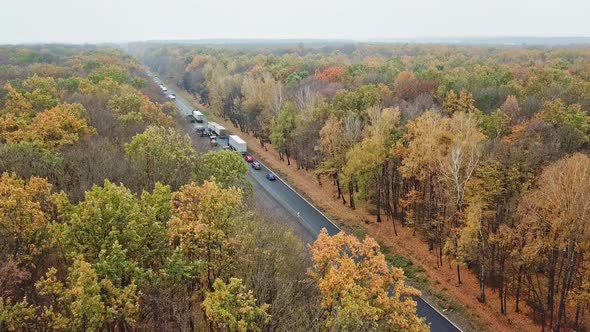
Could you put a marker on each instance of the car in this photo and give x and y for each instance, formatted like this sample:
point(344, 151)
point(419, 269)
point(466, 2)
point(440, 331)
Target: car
point(248, 159)
point(256, 165)
point(270, 177)
point(172, 96)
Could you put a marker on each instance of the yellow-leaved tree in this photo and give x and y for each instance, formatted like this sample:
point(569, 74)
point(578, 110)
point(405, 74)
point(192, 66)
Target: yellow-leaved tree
point(360, 291)
point(202, 224)
point(555, 221)
point(230, 307)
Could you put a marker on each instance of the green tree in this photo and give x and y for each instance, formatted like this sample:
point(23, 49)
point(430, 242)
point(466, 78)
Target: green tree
point(131, 105)
point(41, 92)
point(17, 316)
point(494, 125)
point(336, 138)
point(110, 225)
point(366, 160)
point(282, 126)
point(77, 303)
point(356, 100)
point(163, 155)
point(30, 159)
point(571, 119)
point(230, 307)
point(227, 167)
point(85, 301)
point(203, 226)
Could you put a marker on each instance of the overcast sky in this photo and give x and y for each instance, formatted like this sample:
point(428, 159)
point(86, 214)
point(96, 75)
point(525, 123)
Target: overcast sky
point(79, 21)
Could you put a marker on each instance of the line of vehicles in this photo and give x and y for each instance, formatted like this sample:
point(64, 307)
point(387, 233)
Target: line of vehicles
point(215, 130)
point(171, 96)
point(234, 142)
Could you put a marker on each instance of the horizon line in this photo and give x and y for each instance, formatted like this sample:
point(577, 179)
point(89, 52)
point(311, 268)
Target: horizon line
point(235, 40)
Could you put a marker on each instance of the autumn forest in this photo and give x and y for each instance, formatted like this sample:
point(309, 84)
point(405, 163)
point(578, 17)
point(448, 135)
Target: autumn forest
point(481, 151)
point(114, 218)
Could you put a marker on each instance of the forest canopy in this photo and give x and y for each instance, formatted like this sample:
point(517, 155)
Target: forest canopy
point(111, 218)
point(480, 150)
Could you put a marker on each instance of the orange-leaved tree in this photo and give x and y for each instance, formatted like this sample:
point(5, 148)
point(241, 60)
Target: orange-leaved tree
point(360, 291)
point(59, 126)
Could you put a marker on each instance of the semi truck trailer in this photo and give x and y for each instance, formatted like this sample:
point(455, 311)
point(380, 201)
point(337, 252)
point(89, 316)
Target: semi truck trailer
point(238, 144)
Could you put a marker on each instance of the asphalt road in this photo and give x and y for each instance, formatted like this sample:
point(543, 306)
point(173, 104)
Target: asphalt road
point(289, 202)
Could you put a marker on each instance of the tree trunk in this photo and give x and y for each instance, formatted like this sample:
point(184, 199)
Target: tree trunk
point(351, 194)
point(482, 284)
point(501, 290)
point(568, 278)
point(340, 193)
point(518, 287)
point(551, 285)
point(378, 193)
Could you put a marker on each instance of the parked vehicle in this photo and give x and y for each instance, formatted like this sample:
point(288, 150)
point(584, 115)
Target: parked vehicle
point(200, 129)
point(220, 130)
point(198, 116)
point(270, 177)
point(249, 159)
point(172, 96)
point(216, 128)
point(256, 165)
point(237, 144)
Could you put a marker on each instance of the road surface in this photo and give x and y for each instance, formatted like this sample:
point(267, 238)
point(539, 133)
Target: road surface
point(312, 220)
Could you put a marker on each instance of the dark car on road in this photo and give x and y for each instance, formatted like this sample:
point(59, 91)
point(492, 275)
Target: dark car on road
point(256, 165)
point(249, 159)
point(270, 177)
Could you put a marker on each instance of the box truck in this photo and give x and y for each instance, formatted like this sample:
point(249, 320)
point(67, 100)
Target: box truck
point(238, 144)
point(211, 126)
point(216, 128)
point(198, 116)
point(220, 130)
